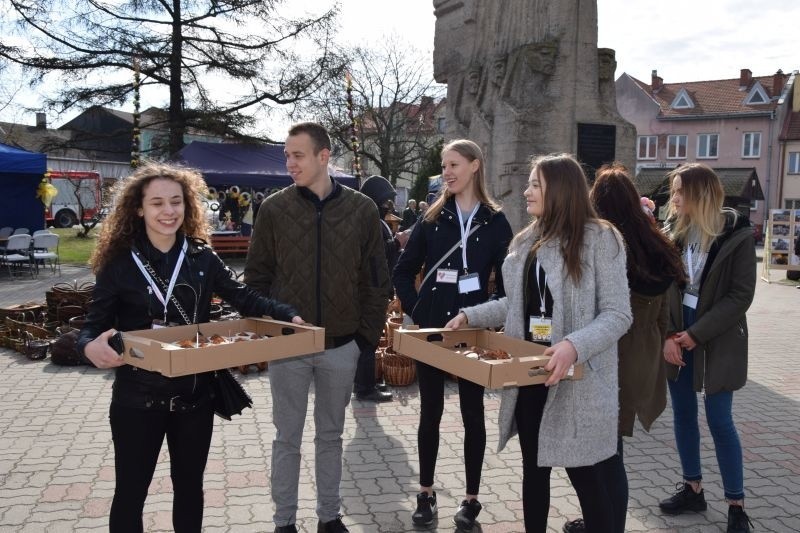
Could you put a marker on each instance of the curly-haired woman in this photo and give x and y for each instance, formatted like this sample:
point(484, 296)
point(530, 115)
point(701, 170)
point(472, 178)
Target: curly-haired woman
point(154, 269)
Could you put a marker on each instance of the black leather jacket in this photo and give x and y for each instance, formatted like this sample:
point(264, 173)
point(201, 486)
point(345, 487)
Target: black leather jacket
point(123, 300)
point(436, 303)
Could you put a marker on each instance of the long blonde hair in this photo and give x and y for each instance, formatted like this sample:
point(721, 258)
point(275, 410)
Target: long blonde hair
point(471, 152)
point(123, 225)
point(704, 196)
point(566, 212)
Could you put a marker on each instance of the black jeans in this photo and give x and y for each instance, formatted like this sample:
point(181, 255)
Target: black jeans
point(138, 434)
point(588, 481)
point(470, 395)
point(365, 371)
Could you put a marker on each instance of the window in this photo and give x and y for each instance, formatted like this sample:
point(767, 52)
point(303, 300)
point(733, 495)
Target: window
point(676, 146)
point(794, 163)
point(647, 147)
point(707, 145)
point(791, 203)
point(757, 95)
point(751, 144)
point(441, 124)
point(682, 100)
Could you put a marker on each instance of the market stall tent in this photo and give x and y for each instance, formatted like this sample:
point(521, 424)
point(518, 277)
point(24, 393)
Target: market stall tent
point(21, 172)
point(259, 166)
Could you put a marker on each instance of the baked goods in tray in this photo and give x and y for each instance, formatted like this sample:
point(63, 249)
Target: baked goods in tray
point(216, 339)
point(476, 352)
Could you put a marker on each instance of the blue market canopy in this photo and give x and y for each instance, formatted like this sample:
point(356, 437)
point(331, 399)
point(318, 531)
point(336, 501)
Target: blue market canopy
point(260, 166)
point(20, 174)
point(18, 161)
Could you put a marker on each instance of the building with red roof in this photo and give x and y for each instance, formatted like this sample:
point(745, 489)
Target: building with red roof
point(731, 124)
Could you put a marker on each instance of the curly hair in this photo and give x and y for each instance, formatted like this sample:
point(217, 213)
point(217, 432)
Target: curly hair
point(124, 225)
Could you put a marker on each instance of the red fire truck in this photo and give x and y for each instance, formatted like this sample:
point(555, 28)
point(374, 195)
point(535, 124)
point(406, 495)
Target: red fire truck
point(71, 185)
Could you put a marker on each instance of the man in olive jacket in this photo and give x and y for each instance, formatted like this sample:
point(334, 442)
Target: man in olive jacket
point(318, 245)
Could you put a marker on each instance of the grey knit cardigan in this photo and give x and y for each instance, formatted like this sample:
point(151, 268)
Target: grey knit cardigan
point(579, 424)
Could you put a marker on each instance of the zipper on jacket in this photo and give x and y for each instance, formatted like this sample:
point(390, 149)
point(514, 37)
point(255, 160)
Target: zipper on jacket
point(319, 265)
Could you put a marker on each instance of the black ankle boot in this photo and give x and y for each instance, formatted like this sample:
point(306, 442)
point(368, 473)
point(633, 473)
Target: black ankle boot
point(686, 499)
point(738, 521)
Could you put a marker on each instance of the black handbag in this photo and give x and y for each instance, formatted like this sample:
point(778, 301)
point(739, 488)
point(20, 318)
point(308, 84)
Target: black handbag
point(228, 397)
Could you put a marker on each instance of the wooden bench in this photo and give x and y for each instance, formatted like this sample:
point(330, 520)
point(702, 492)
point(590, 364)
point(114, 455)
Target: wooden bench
point(230, 244)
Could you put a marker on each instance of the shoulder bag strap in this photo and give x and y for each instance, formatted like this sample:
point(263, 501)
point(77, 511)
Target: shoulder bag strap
point(445, 256)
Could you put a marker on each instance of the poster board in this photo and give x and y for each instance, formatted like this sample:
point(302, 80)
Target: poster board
point(783, 228)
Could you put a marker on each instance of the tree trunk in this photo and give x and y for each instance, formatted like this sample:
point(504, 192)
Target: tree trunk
point(177, 120)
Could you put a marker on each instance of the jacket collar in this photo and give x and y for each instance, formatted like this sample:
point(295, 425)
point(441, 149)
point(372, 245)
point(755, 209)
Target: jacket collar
point(483, 216)
point(306, 193)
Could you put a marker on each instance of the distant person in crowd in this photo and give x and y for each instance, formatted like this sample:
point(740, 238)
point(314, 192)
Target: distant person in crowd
point(423, 208)
point(390, 209)
point(459, 241)
point(257, 199)
point(154, 269)
point(246, 208)
point(380, 191)
point(653, 264)
point(318, 246)
point(409, 215)
point(706, 350)
point(231, 209)
point(566, 289)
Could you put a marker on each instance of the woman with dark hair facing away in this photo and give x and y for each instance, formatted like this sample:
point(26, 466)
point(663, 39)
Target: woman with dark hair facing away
point(461, 238)
point(706, 350)
point(566, 289)
point(653, 264)
point(154, 269)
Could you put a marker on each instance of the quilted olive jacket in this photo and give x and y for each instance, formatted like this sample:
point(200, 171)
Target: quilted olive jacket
point(325, 258)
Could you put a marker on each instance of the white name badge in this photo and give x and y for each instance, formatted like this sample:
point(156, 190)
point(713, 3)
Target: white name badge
point(468, 283)
point(444, 275)
point(690, 300)
point(541, 329)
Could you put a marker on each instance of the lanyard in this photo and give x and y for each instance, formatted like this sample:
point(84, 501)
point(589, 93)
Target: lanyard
point(691, 268)
point(464, 232)
point(541, 287)
point(162, 298)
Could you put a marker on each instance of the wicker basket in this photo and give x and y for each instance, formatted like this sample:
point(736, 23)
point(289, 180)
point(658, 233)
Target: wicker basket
point(68, 294)
point(27, 312)
point(398, 370)
point(36, 349)
point(392, 324)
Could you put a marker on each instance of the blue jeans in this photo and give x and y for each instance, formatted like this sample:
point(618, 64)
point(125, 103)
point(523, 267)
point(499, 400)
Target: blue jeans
point(720, 422)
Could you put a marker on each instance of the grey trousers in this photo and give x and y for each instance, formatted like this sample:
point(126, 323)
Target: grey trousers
point(332, 373)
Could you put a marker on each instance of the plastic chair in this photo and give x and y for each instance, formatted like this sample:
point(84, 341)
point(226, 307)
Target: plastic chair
point(21, 231)
point(18, 251)
point(6, 232)
point(45, 249)
point(40, 232)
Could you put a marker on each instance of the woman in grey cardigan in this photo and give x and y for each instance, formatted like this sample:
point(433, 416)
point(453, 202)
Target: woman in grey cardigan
point(566, 287)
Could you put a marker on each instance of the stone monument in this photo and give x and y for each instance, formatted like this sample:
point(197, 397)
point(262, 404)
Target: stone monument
point(525, 78)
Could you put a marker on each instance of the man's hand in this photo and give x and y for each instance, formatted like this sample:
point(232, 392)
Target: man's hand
point(298, 320)
point(562, 356)
point(458, 322)
point(101, 354)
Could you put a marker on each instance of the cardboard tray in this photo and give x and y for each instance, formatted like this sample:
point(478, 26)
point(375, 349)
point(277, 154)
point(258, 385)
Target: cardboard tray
point(151, 349)
point(437, 348)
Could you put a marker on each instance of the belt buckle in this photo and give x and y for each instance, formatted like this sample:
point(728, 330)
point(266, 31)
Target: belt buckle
point(172, 403)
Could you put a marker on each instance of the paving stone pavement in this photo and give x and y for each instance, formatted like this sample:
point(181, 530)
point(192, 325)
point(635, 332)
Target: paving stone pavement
point(57, 465)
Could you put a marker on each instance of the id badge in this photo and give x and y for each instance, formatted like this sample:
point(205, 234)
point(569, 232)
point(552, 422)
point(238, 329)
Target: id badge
point(541, 329)
point(690, 300)
point(468, 283)
point(444, 275)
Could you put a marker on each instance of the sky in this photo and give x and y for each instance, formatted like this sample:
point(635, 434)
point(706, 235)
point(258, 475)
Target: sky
point(685, 40)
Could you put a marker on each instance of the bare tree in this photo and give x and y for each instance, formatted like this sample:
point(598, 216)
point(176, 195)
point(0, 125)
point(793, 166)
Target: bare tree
point(395, 102)
point(221, 61)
